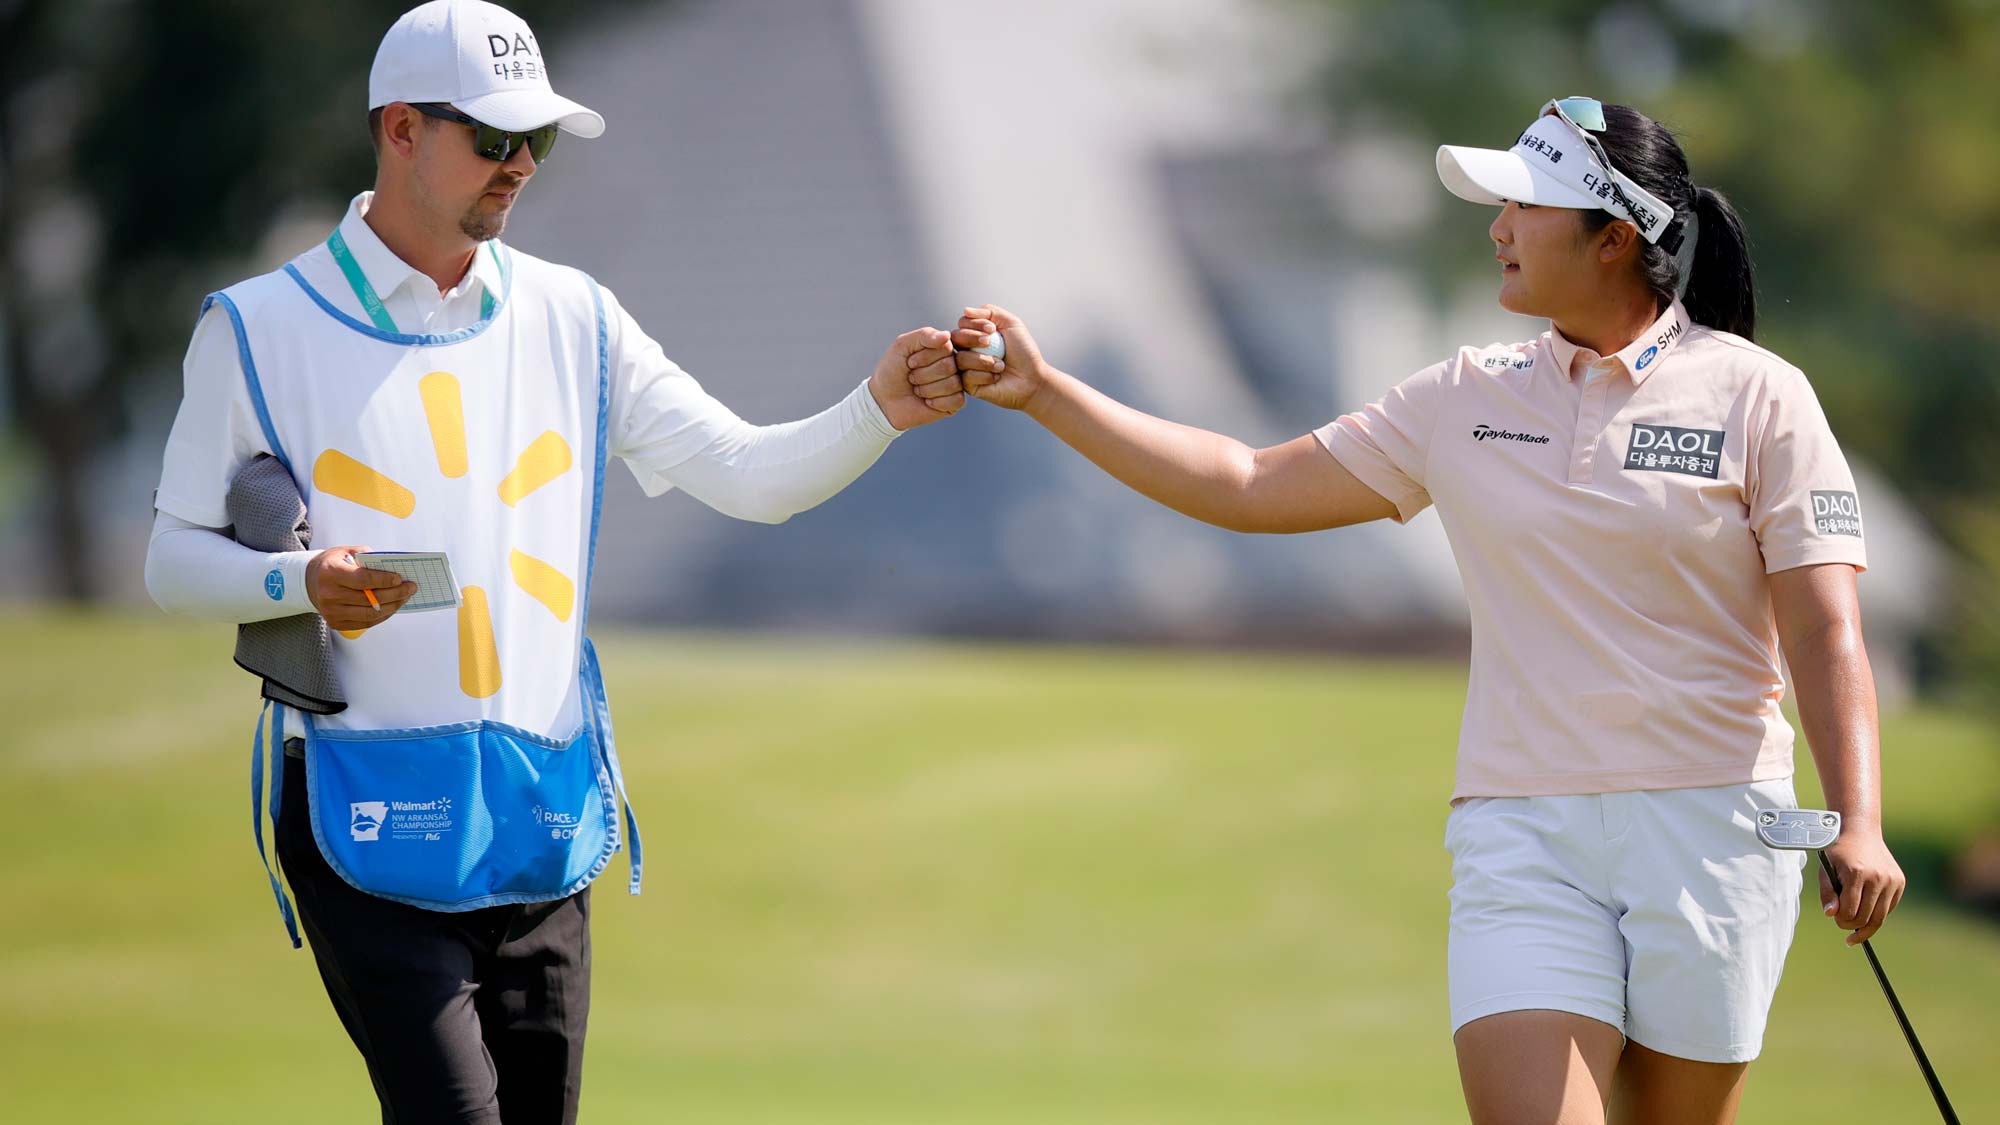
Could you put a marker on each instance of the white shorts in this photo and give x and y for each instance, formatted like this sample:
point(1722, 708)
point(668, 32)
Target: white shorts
point(1659, 913)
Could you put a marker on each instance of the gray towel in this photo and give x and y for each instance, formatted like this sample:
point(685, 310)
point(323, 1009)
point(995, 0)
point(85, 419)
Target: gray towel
point(294, 655)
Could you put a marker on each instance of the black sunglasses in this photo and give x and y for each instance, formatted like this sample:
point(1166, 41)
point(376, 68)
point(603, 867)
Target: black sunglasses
point(492, 143)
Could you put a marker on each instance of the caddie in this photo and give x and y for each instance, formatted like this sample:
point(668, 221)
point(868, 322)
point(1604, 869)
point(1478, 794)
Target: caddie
point(428, 388)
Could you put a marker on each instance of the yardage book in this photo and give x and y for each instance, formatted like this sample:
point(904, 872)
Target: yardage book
point(430, 570)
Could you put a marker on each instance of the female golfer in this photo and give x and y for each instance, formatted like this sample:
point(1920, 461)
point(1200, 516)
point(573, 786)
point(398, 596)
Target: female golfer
point(1645, 508)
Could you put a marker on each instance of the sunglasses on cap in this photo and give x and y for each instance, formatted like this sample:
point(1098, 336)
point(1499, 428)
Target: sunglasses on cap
point(1584, 116)
point(1584, 113)
point(493, 143)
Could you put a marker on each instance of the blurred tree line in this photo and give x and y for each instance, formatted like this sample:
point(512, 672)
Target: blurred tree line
point(1859, 140)
point(146, 147)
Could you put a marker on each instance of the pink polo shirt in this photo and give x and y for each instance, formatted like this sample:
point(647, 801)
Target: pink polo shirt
point(1613, 519)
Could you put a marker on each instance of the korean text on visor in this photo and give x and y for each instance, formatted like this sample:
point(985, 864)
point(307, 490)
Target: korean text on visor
point(1556, 163)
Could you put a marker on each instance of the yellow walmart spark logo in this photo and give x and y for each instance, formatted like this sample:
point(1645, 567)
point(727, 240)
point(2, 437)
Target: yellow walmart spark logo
point(547, 458)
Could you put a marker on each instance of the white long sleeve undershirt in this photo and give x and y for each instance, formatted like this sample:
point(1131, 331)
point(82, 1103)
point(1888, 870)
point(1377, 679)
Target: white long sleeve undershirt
point(771, 473)
point(199, 571)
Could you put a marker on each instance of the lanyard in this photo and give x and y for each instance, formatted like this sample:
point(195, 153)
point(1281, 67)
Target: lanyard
point(365, 293)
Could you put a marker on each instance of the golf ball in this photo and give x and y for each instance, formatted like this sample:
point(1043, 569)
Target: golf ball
point(995, 346)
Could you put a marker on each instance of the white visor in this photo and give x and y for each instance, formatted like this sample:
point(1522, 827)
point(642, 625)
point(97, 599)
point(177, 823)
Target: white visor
point(1550, 166)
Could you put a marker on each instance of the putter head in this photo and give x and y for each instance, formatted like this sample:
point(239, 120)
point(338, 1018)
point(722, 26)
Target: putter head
point(1798, 830)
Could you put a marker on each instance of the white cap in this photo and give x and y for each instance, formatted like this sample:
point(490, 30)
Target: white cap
point(1551, 166)
point(479, 57)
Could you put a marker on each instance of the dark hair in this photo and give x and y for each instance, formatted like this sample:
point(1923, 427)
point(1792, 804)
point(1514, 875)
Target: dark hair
point(1721, 292)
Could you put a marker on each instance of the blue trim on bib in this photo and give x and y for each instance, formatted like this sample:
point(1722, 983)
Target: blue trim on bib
point(603, 435)
point(250, 374)
point(276, 713)
point(593, 675)
point(444, 730)
point(607, 745)
point(428, 340)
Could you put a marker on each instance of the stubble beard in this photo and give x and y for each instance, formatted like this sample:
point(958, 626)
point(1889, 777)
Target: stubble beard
point(481, 225)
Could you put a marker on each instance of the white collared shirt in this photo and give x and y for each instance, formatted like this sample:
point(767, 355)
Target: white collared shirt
point(409, 295)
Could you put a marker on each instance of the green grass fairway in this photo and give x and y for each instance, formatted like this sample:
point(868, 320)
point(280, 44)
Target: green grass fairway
point(898, 883)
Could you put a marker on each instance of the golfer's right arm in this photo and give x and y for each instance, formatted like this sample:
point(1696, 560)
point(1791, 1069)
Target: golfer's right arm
point(1294, 487)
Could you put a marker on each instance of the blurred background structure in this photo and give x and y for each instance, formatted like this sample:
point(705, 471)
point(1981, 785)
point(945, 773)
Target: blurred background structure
point(1223, 211)
point(1220, 210)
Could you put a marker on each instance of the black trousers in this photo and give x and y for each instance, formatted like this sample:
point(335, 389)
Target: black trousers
point(470, 1017)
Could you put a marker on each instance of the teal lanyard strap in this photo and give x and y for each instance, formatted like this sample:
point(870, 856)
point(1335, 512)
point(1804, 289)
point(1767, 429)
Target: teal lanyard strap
point(358, 281)
point(365, 293)
point(486, 301)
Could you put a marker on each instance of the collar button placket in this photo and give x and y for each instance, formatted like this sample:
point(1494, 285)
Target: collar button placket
point(1589, 423)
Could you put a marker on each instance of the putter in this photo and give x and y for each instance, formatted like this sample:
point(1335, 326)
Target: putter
point(1812, 830)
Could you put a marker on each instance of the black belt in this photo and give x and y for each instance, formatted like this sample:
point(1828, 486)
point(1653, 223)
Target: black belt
point(295, 748)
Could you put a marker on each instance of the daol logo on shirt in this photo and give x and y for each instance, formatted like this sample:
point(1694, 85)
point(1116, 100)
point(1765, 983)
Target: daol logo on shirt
point(1674, 449)
point(1836, 513)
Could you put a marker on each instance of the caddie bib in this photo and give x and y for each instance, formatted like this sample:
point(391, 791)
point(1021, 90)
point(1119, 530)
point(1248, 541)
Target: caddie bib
point(474, 764)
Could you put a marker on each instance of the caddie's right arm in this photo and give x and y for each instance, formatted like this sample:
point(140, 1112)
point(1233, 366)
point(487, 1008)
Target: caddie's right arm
point(193, 567)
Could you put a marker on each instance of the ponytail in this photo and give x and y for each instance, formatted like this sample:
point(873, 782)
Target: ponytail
point(1718, 291)
point(1721, 293)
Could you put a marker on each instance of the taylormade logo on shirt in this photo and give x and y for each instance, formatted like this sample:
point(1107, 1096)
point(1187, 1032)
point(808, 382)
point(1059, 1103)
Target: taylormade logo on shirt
point(1482, 431)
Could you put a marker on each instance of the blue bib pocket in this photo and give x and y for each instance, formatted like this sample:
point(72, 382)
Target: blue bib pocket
point(463, 816)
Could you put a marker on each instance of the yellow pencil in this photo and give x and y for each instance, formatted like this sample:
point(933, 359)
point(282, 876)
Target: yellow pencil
point(371, 597)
